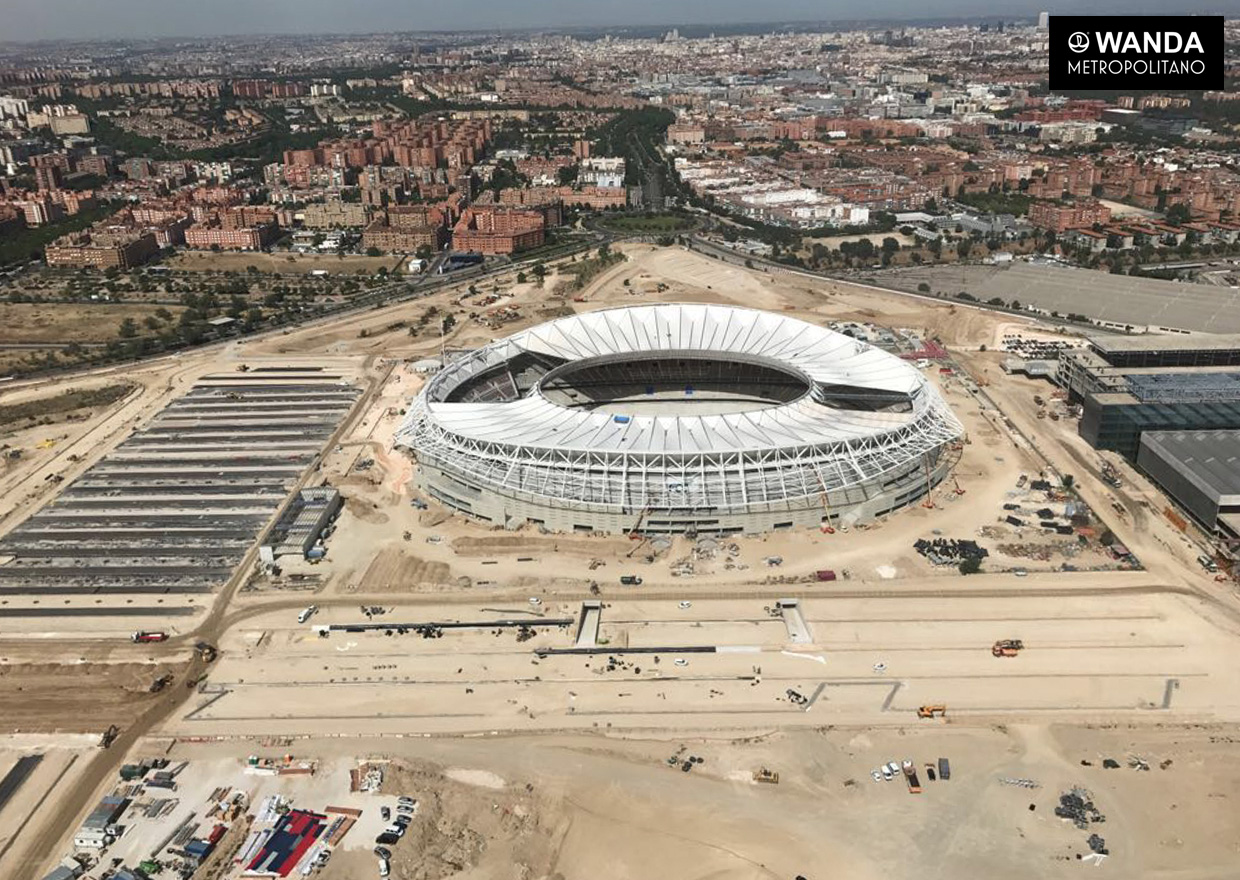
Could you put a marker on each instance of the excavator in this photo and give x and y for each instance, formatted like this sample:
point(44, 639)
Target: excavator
point(934, 710)
point(1007, 647)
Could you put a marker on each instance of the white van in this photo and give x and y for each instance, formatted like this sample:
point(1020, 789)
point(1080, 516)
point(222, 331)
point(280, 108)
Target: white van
point(307, 613)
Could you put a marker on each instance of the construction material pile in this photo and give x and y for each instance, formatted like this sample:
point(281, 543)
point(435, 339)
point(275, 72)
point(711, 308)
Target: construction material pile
point(949, 551)
point(1077, 806)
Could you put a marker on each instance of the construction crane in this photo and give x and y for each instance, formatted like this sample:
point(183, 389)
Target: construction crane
point(929, 502)
point(635, 533)
point(827, 528)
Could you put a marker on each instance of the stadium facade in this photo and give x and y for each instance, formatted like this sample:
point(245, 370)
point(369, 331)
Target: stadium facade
point(678, 417)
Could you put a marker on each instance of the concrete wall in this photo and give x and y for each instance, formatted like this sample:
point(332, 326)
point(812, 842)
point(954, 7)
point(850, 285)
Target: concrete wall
point(858, 504)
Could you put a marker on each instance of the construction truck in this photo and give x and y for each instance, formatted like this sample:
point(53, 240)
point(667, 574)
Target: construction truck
point(143, 637)
point(935, 710)
point(206, 653)
point(160, 683)
point(1007, 647)
point(910, 775)
point(109, 736)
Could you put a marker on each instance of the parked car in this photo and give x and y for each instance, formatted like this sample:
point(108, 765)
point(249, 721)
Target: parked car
point(385, 868)
point(387, 839)
point(383, 852)
point(630, 580)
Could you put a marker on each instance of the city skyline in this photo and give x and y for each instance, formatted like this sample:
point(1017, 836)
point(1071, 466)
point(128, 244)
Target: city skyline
point(32, 21)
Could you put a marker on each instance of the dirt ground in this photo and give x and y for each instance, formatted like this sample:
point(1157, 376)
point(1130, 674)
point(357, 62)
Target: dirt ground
point(565, 806)
point(63, 323)
point(80, 698)
point(1118, 663)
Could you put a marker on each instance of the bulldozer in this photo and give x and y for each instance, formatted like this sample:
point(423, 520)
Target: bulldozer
point(1007, 647)
point(936, 710)
point(765, 775)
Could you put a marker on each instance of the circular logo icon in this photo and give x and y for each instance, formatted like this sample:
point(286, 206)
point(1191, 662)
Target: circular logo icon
point(1079, 41)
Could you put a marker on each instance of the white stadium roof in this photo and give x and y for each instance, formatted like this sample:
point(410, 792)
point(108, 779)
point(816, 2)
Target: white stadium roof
point(818, 411)
point(822, 355)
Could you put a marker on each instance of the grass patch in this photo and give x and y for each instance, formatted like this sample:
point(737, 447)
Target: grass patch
point(585, 271)
point(43, 411)
point(650, 224)
point(998, 203)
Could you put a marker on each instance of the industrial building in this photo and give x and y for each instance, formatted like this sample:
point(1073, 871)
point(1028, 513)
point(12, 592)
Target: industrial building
point(1200, 470)
point(678, 417)
point(1128, 385)
point(301, 524)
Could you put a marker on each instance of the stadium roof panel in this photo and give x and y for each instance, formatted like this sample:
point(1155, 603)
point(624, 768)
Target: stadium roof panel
point(827, 358)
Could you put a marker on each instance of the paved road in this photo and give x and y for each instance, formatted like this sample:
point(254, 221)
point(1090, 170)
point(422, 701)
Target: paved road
point(102, 768)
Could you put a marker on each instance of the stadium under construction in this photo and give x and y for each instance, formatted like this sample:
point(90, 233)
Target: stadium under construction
point(678, 417)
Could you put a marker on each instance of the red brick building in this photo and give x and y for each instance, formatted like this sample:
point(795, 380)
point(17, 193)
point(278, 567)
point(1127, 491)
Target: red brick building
point(496, 230)
point(1060, 217)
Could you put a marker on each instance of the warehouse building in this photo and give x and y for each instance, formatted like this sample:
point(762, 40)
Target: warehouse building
point(1129, 385)
point(1200, 470)
point(302, 523)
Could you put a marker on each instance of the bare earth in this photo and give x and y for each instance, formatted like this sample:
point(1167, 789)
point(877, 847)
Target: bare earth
point(539, 766)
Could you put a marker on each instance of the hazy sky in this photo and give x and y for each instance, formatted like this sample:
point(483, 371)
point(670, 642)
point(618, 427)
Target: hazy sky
point(51, 19)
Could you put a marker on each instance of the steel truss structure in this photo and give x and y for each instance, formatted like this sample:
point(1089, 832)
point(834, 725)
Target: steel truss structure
point(868, 429)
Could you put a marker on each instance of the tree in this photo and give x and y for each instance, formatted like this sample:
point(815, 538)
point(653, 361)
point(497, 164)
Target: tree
point(128, 329)
point(1178, 214)
point(970, 565)
point(373, 252)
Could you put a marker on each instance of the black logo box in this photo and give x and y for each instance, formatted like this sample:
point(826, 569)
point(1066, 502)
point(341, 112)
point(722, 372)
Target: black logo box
point(1083, 52)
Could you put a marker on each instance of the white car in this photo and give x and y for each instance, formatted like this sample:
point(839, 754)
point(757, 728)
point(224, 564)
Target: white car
point(894, 768)
point(681, 661)
point(886, 771)
point(876, 775)
point(685, 605)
